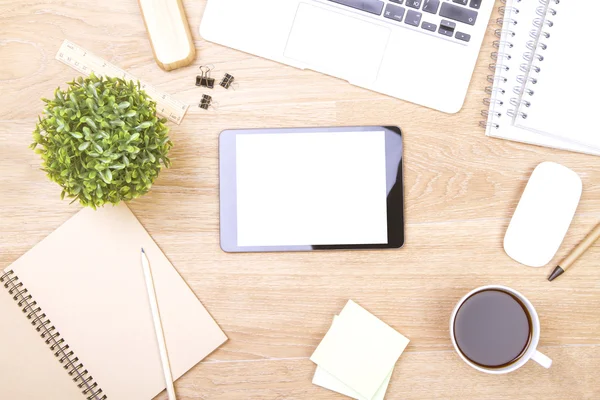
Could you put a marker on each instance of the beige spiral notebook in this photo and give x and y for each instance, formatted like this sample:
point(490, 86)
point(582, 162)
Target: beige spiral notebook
point(75, 322)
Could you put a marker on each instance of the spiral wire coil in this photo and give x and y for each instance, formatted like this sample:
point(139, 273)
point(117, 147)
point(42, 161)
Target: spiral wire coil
point(503, 45)
point(52, 337)
point(533, 58)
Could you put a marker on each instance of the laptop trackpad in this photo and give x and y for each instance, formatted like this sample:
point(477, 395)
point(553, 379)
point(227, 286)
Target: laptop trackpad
point(335, 44)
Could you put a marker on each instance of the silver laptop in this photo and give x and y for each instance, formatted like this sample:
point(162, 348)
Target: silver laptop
point(422, 51)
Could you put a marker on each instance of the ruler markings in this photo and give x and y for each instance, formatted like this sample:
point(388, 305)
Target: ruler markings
point(86, 62)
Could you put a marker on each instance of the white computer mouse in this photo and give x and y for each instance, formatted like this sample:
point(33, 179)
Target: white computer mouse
point(543, 214)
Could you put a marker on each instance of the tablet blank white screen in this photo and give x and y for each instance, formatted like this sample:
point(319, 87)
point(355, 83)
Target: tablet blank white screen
point(323, 188)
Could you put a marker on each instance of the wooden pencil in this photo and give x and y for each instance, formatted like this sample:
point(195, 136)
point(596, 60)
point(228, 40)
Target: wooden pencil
point(577, 252)
point(160, 337)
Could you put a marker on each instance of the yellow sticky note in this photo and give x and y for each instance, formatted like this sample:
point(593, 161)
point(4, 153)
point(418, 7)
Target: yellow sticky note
point(360, 350)
point(326, 380)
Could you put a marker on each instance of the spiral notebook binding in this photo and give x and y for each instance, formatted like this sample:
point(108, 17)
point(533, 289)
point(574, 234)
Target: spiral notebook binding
point(502, 45)
point(51, 337)
point(533, 58)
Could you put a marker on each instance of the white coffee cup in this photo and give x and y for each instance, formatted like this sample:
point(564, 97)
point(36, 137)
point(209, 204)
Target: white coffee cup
point(530, 354)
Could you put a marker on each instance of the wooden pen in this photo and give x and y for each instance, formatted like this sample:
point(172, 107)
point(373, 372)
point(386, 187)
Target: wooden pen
point(576, 253)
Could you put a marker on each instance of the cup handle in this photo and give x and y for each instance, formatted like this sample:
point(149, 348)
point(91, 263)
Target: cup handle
point(541, 359)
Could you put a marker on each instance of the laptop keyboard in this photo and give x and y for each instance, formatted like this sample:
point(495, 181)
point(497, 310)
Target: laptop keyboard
point(457, 15)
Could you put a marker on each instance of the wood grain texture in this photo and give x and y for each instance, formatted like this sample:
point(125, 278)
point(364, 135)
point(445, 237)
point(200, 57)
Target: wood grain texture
point(461, 190)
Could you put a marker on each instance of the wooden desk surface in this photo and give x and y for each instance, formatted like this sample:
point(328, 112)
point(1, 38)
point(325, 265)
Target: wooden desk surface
point(461, 190)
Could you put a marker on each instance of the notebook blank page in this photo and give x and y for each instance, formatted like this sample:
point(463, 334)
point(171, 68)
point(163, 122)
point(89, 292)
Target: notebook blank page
point(564, 104)
point(87, 277)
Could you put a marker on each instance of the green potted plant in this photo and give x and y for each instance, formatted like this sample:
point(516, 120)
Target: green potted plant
point(101, 140)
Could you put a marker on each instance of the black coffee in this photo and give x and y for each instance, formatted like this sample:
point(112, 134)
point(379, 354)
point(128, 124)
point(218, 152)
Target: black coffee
point(492, 328)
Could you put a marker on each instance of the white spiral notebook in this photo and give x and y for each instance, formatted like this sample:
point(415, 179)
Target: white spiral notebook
point(560, 90)
point(75, 318)
point(512, 99)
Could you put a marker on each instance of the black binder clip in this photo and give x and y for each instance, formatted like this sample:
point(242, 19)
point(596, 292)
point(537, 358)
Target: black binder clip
point(204, 79)
point(206, 102)
point(227, 81)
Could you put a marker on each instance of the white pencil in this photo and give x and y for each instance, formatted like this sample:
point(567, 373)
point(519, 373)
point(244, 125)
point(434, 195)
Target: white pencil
point(162, 346)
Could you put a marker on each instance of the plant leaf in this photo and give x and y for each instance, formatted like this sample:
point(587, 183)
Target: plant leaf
point(83, 146)
point(91, 123)
point(144, 125)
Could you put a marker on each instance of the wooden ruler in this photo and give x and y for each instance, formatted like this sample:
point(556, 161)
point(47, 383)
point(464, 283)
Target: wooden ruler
point(85, 62)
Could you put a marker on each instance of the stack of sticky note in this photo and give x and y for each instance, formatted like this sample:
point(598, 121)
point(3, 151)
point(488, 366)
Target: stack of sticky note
point(357, 355)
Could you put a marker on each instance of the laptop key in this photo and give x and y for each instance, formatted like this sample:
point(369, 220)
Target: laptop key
point(429, 26)
point(445, 32)
point(413, 18)
point(459, 14)
point(475, 4)
point(397, 1)
point(370, 6)
point(462, 2)
point(431, 6)
point(449, 25)
point(465, 37)
point(394, 12)
point(414, 3)
point(447, 28)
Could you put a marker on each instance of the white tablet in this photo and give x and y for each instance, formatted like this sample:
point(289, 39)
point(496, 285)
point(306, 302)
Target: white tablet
point(311, 189)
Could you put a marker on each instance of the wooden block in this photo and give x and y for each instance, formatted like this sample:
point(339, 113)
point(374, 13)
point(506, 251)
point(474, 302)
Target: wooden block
point(169, 33)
